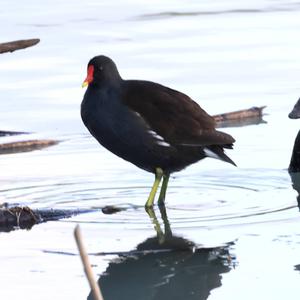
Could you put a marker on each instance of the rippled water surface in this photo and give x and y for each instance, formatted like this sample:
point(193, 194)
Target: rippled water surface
point(226, 233)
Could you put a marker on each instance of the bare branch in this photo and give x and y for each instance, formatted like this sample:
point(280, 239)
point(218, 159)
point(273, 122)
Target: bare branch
point(16, 45)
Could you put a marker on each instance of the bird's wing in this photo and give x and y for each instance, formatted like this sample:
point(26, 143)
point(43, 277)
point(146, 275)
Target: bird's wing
point(172, 115)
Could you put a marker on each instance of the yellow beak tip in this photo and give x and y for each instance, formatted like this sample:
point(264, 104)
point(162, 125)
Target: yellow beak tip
point(84, 84)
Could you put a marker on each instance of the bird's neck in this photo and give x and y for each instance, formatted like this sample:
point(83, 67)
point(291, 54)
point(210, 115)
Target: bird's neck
point(295, 159)
point(112, 79)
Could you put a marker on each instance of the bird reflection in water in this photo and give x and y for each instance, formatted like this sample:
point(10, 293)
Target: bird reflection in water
point(165, 267)
point(295, 177)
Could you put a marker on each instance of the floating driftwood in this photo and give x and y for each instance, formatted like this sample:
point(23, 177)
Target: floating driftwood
point(25, 146)
point(240, 114)
point(18, 217)
point(16, 45)
point(243, 117)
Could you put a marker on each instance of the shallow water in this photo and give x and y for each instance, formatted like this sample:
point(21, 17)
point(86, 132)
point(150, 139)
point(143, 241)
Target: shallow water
point(228, 233)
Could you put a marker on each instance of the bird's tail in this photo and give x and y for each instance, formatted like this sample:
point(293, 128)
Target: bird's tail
point(217, 151)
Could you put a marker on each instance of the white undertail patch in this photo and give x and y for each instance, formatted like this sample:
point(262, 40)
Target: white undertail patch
point(165, 144)
point(211, 154)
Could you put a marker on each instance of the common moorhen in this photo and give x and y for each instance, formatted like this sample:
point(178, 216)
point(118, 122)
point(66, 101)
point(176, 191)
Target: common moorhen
point(156, 128)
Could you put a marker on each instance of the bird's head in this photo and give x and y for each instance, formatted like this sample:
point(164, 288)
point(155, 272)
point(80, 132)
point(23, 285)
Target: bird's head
point(101, 70)
point(295, 113)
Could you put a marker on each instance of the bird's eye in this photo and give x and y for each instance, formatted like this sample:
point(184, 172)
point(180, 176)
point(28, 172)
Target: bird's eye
point(100, 68)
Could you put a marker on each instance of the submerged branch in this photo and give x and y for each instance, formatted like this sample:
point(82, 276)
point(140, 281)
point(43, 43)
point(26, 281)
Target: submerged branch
point(23, 217)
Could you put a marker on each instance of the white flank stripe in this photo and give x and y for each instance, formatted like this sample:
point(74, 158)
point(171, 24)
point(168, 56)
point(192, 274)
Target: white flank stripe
point(165, 144)
point(157, 136)
point(160, 139)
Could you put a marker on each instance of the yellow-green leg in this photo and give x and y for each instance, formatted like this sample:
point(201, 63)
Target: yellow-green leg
point(158, 176)
point(163, 190)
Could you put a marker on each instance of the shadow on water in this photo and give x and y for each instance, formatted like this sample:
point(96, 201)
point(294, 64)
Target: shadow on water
point(165, 267)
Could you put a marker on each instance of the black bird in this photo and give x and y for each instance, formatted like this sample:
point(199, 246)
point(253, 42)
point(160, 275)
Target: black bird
point(295, 159)
point(156, 128)
point(294, 167)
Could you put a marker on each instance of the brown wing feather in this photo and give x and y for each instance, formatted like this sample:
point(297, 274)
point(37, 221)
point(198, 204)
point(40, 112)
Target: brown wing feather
point(173, 115)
